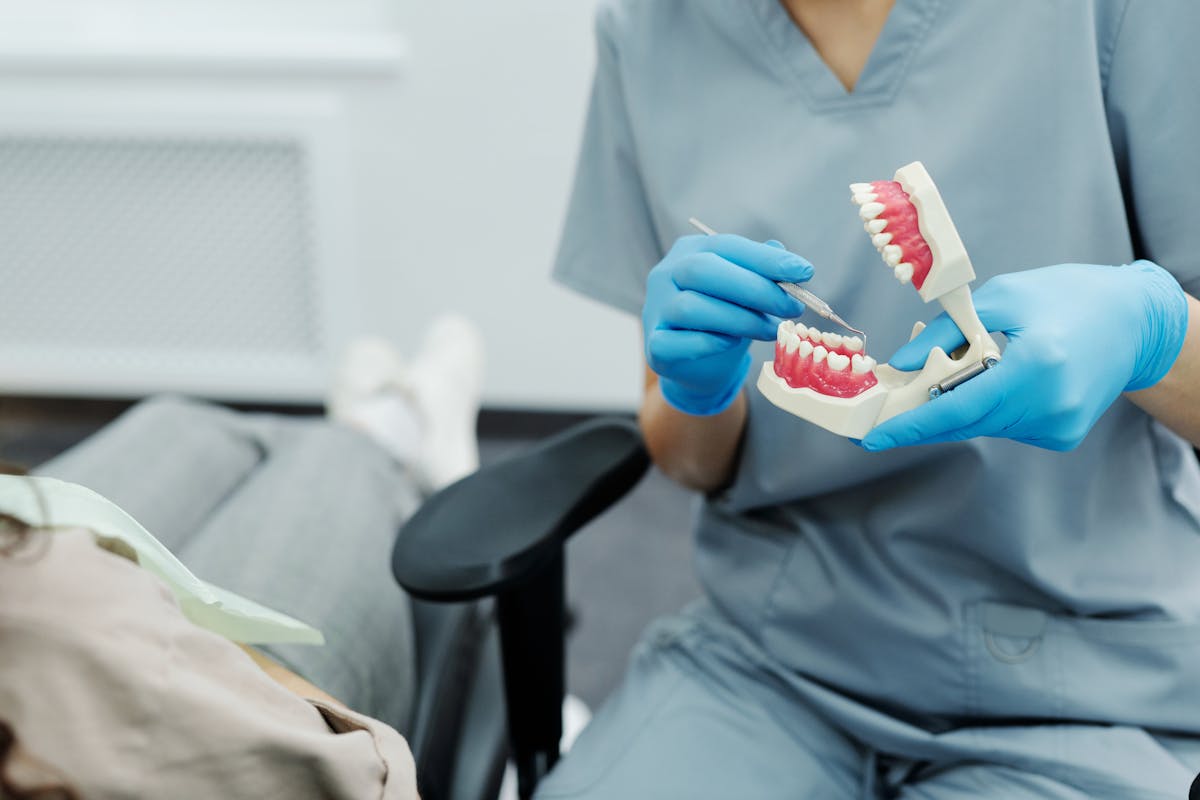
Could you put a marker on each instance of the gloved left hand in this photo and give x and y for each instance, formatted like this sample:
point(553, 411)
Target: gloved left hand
point(1078, 336)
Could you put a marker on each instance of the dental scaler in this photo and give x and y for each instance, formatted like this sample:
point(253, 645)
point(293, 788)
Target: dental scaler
point(810, 300)
point(828, 379)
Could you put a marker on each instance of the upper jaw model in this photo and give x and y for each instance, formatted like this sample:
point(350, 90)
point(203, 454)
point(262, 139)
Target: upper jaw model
point(827, 379)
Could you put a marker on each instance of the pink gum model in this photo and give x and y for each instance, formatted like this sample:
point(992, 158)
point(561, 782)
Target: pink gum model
point(826, 379)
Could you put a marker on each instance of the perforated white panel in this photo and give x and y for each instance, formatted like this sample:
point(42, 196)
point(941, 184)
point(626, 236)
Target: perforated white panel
point(182, 245)
point(156, 254)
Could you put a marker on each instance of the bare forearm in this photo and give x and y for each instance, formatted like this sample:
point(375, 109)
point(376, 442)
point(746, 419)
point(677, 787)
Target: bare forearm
point(697, 452)
point(1175, 400)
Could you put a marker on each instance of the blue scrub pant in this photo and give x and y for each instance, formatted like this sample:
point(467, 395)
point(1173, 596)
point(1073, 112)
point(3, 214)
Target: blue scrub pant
point(705, 713)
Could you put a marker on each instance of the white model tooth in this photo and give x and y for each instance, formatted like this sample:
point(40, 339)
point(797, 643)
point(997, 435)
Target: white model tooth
point(801, 329)
point(892, 254)
point(875, 226)
point(787, 325)
point(853, 343)
point(865, 197)
point(831, 340)
point(791, 342)
point(862, 364)
point(819, 354)
point(838, 362)
point(805, 349)
point(903, 272)
point(880, 239)
point(870, 211)
point(859, 188)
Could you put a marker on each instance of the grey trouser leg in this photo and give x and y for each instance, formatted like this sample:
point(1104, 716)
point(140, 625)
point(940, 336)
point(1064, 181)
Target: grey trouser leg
point(297, 514)
point(168, 462)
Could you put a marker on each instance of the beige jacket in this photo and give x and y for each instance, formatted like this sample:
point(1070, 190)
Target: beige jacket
point(107, 685)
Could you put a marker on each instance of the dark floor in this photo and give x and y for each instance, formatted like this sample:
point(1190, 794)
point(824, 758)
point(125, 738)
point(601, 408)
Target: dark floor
point(625, 568)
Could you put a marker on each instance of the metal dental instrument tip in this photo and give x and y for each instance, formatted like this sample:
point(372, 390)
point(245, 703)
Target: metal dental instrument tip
point(818, 306)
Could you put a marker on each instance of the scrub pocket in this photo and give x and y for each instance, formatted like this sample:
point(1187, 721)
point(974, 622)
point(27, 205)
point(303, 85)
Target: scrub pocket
point(1027, 663)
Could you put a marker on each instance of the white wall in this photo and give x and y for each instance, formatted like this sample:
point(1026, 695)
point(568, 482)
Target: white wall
point(139, 17)
point(491, 107)
point(464, 118)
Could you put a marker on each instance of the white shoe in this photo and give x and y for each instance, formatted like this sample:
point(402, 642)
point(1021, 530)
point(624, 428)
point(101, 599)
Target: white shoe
point(372, 393)
point(446, 379)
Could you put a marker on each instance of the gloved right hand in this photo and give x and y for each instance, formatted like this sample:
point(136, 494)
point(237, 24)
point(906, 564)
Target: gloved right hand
point(705, 301)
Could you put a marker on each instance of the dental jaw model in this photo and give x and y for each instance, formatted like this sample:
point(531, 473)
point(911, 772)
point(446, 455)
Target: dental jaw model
point(826, 378)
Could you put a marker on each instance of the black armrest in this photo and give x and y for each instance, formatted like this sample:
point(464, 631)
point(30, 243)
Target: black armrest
point(486, 532)
point(501, 532)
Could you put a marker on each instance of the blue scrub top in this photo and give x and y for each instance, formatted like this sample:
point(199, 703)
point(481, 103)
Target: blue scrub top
point(971, 580)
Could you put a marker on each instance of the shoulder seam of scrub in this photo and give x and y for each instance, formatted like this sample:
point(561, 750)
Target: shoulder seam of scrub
point(1109, 52)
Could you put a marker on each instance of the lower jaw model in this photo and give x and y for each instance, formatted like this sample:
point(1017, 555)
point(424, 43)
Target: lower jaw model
point(828, 379)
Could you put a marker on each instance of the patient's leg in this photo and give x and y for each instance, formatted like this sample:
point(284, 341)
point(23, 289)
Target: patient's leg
point(298, 514)
point(310, 533)
point(169, 462)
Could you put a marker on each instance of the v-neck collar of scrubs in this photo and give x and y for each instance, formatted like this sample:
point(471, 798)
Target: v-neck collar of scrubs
point(798, 61)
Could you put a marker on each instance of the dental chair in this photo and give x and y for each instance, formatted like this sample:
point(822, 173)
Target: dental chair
point(492, 547)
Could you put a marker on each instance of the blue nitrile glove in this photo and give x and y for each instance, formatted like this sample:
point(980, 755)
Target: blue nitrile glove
point(1078, 336)
point(705, 301)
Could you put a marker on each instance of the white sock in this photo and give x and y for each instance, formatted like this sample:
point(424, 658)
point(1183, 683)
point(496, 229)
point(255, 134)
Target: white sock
point(371, 393)
point(446, 380)
point(392, 422)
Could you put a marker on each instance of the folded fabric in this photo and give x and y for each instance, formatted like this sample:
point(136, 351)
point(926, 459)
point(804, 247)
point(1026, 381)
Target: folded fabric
point(58, 505)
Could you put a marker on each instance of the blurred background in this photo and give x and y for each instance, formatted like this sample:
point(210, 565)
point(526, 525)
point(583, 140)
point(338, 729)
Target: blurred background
point(212, 197)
